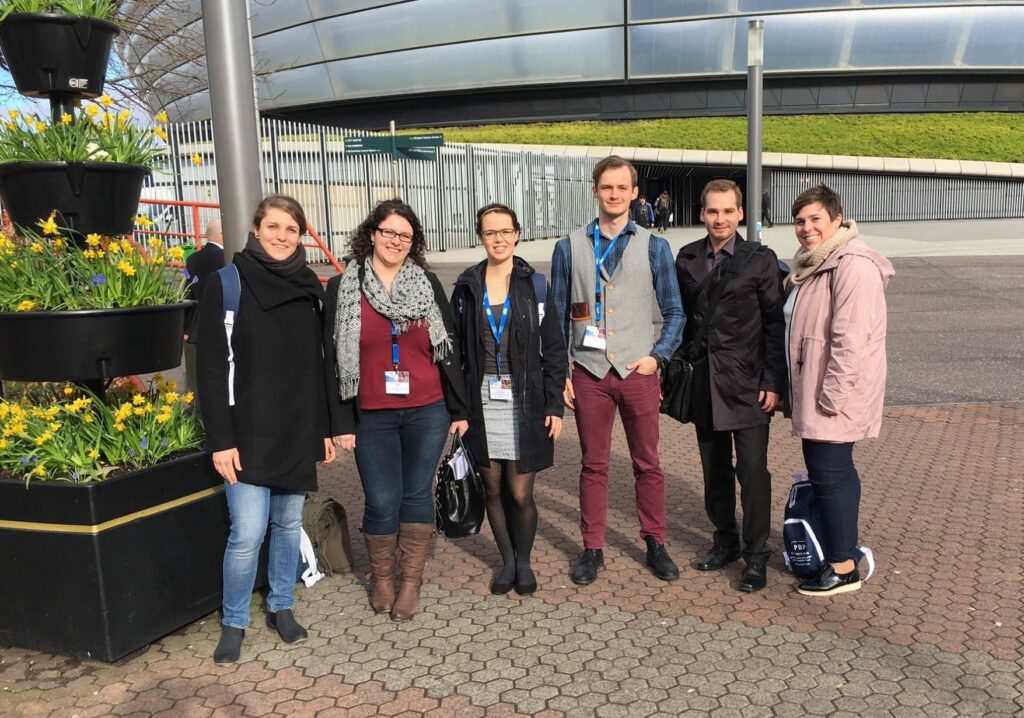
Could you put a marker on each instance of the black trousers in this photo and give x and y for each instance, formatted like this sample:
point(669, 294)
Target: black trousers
point(720, 476)
point(837, 493)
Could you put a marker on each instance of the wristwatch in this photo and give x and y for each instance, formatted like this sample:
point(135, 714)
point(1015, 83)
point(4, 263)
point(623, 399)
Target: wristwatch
point(662, 361)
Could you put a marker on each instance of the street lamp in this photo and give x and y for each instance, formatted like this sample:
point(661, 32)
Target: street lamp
point(755, 104)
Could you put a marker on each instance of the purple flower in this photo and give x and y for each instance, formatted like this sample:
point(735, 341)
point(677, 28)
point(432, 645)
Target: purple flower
point(98, 279)
point(131, 452)
point(144, 443)
point(74, 476)
point(23, 460)
point(163, 443)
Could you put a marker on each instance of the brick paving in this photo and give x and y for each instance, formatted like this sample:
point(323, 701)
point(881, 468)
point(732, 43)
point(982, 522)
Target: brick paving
point(936, 632)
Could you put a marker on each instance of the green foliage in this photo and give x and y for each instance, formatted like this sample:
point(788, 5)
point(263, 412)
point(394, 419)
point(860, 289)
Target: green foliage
point(100, 133)
point(997, 137)
point(50, 273)
point(67, 434)
point(99, 9)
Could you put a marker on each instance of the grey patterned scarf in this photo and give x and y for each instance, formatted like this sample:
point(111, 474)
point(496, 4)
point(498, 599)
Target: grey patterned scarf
point(411, 300)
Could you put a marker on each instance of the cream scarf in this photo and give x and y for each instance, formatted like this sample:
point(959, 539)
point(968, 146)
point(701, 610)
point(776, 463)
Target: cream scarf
point(807, 261)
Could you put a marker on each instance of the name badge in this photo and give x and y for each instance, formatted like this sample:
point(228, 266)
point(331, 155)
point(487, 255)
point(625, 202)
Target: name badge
point(593, 337)
point(500, 388)
point(540, 311)
point(396, 382)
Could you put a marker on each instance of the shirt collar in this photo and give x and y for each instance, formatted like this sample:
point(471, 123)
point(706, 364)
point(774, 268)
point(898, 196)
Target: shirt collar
point(729, 248)
point(630, 228)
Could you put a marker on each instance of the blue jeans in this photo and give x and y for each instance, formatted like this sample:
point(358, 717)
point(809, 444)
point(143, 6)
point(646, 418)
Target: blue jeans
point(836, 493)
point(396, 453)
point(251, 508)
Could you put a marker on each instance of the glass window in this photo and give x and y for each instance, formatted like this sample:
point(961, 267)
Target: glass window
point(267, 17)
point(287, 48)
point(298, 86)
point(996, 39)
point(640, 10)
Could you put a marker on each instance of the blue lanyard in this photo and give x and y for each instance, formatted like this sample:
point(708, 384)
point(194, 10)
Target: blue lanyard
point(599, 262)
point(394, 344)
point(497, 329)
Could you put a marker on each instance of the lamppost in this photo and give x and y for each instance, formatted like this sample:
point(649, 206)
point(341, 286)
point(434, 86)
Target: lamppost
point(755, 103)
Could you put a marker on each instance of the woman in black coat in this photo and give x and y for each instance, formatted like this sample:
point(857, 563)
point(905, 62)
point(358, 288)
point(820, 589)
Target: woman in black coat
point(264, 399)
point(392, 345)
point(515, 352)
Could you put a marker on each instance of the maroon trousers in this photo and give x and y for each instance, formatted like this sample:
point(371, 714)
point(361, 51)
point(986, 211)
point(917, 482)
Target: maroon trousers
point(637, 399)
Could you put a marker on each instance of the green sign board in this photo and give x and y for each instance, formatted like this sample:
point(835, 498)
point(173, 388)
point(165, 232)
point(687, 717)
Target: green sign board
point(410, 147)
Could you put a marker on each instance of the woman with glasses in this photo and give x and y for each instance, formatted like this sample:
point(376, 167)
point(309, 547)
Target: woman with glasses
point(389, 329)
point(513, 350)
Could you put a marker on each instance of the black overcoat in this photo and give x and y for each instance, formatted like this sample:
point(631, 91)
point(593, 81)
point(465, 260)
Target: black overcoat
point(745, 347)
point(536, 356)
point(280, 416)
point(345, 413)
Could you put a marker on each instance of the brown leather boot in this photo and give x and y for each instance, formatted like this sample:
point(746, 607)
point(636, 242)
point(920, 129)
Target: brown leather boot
point(381, 550)
point(414, 540)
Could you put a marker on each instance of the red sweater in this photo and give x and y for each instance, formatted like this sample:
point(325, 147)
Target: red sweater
point(416, 356)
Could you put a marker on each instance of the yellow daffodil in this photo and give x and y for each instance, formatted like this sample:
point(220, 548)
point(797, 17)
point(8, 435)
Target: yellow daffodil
point(66, 119)
point(171, 385)
point(176, 253)
point(88, 419)
point(93, 240)
point(161, 117)
point(59, 243)
point(91, 110)
point(49, 225)
point(40, 470)
point(154, 243)
point(51, 412)
point(93, 454)
point(14, 114)
point(3, 443)
point(40, 127)
point(36, 248)
point(144, 221)
point(43, 438)
point(113, 248)
point(126, 269)
point(25, 306)
point(89, 254)
point(127, 247)
point(105, 100)
point(119, 425)
point(197, 159)
point(138, 400)
point(68, 391)
point(55, 426)
point(160, 132)
point(14, 264)
point(163, 418)
point(171, 397)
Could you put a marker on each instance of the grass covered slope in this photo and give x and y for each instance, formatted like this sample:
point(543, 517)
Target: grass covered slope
point(992, 136)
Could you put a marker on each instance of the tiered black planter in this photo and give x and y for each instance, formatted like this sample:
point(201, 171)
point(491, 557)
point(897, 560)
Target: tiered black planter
point(100, 197)
point(100, 570)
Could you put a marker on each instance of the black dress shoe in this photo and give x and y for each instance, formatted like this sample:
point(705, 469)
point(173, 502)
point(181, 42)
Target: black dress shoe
point(286, 626)
point(229, 648)
point(590, 562)
point(502, 583)
point(717, 558)
point(658, 559)
point(755, 577)
point(526, 581)
point(828, 582)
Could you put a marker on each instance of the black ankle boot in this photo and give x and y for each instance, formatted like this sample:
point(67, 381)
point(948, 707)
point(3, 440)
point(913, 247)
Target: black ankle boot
point(287, 627)
point(229, 648)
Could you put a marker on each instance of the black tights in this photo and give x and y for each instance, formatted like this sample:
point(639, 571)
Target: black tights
point(512, 514)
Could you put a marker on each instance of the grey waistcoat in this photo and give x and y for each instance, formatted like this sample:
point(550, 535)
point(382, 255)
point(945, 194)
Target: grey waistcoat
point(627, 298)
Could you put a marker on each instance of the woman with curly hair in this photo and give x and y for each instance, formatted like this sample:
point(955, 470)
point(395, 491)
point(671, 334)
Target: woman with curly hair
point(389, 328)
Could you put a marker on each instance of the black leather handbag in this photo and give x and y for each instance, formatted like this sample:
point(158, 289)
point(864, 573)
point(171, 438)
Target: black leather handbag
point(459, 497)
point(676, 388)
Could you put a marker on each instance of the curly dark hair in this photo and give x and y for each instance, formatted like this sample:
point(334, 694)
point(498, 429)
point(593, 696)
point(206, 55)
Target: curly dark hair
point(361, 244)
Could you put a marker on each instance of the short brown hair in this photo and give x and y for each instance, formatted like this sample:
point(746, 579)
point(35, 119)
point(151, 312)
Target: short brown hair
point(823, 194)
point(495, 208)
point(613, 162)
point(721, 185)
point(284, 203)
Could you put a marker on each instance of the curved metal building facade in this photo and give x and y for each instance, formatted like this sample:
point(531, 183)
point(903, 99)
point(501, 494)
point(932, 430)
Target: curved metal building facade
point(359, 63)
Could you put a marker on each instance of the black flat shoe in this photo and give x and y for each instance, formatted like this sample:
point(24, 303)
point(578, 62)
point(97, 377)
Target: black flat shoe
point(658, 559)
point(500, 586)
point(229, 648)
point(717, 558)
point(589, 563)
point(286, 626)
point(828, 583)
point(526, 582)
point(754, 578)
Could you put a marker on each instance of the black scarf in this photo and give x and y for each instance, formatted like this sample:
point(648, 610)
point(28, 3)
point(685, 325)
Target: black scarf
point(280, 267)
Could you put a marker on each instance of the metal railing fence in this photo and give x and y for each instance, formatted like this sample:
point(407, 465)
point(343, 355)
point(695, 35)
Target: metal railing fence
point(551, 194)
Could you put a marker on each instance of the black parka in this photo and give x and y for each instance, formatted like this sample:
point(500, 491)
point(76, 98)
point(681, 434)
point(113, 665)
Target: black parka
point(280, 417)
point(345, 413)
point(536, 358)
point(745, 348)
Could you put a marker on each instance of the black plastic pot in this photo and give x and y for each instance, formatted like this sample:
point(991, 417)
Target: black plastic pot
point(91, 343)
point(51, 54)
point(100, 197)
point(101, 570)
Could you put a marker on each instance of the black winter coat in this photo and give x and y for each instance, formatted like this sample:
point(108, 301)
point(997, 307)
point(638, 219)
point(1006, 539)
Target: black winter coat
point(745, 350)
point(280, 417)
point(536, 356)
point(345, 414)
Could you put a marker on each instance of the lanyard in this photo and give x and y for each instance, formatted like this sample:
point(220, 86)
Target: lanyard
point(394, 344)
point(599, 262)
point(497, 329)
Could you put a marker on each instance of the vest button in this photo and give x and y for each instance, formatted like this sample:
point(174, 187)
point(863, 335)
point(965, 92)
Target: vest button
point(611, 356)
point(611, 310)
point(611, 334)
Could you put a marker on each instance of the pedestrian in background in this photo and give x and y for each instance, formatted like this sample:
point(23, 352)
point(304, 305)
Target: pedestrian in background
point(390, 330)
point(836, 318)
point(513, 349)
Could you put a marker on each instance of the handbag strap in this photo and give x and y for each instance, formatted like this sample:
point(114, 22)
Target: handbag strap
point(734, 267)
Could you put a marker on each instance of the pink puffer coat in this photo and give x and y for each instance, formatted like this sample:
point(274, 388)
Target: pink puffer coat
point(837, 346)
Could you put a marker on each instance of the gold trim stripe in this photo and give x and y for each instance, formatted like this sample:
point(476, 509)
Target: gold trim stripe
point(112, 523)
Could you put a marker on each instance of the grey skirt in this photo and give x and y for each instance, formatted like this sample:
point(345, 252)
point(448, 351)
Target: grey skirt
point(502, 424)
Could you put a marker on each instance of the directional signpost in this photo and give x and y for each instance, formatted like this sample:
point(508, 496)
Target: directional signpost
point(410, 147)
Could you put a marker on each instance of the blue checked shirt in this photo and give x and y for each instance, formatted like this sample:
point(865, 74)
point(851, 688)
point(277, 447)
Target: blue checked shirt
point(663, 273)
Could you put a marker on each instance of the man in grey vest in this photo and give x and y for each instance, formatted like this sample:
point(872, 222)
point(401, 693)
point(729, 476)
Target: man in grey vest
point(605, 279)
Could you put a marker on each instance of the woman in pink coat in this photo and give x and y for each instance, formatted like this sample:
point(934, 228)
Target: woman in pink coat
point(835, 332)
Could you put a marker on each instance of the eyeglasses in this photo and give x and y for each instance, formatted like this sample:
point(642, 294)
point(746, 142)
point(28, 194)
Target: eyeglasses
point(392, 234)
point(489, 235)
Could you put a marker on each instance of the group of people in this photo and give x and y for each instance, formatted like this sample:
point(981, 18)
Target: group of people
point(648, 215)
point(384, 364)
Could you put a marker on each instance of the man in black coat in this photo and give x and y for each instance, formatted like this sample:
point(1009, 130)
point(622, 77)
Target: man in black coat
point(198, 267)
point(739, 376)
